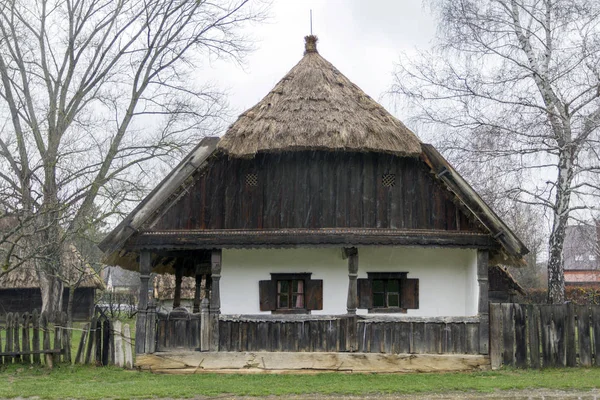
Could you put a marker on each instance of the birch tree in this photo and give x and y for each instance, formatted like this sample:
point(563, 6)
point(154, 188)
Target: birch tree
point(513, 86)
point(93, 94)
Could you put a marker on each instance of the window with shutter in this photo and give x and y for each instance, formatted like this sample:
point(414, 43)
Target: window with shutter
point(388, 292)
point(291, 294)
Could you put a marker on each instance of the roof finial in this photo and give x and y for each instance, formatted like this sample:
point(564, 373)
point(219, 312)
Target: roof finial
point(310, 45)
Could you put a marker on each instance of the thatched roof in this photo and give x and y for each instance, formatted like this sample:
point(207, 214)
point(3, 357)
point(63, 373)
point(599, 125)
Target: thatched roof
point(164, 287)
point(75, 269)
point(315, 107)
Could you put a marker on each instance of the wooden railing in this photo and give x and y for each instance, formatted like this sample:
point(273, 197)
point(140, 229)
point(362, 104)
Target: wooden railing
point(535, 336)
point(349, 334)
point(27, 339)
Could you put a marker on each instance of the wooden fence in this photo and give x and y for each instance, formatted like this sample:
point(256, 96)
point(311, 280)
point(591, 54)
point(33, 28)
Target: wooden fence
point(105, 342)
point(28, 340)
point(536, 336)
point(346, 334)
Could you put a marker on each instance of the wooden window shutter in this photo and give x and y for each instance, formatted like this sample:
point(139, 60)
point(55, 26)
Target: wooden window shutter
point(314, 294)
point(365, 295)
point(267, 294)
point(409, 289)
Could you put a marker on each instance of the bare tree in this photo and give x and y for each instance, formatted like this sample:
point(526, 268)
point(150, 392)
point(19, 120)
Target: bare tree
point(515, 87)
point(92, 94)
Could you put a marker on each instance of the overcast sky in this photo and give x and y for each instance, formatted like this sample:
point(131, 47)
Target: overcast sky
point(362, 38)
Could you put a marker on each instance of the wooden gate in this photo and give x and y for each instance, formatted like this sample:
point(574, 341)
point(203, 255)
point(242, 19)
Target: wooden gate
point(537, 336)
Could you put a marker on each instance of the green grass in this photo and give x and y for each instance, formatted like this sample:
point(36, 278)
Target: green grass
point(96, 382)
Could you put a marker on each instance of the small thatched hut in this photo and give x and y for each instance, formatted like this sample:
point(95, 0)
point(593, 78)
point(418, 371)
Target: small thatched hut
point(20, 288)
point(318, 222)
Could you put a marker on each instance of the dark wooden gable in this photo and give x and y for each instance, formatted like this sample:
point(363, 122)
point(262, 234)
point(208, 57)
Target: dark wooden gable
point(315, 190)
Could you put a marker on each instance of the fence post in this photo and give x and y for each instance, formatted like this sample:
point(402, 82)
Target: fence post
point(15, 333)
point(66, 338)
point(128, 352)
point(9, 338)
point(90, 341)
point(118, 347)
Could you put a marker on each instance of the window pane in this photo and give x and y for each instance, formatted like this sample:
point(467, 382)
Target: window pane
point(283, 301)
point(393, 300)
point(298, 301)
point(378, 300)
point(283, 286)
point(393, 286)
point(378, 286)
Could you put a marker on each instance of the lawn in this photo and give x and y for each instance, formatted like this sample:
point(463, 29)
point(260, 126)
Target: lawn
point(95, 383)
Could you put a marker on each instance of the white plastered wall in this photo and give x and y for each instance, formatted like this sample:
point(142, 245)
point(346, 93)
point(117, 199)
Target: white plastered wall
point(447, 277)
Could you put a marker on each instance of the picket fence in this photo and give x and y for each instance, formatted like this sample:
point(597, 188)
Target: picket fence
point(30, 339)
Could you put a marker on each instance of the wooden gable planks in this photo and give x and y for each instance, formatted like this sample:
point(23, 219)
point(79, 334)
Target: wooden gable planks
point(315, 190)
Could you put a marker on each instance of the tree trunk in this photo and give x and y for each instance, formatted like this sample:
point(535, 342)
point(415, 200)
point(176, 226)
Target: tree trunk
point(556, 271)
point(52, 289)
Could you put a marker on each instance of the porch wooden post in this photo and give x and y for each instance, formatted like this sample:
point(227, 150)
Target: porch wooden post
point(178, 280)
point(141, 319)
point(215, 269)
point(484, 306)
point(215, 298)
point(197, 293)
point(351, 303)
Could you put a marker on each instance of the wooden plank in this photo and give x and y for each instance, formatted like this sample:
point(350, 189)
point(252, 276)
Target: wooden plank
point(128, 346)
point(26, 359)
point(16, 339)
point(496, 336)
point(472, 338)
point(596, 329)
point(106, 328)
point(91, 341)
point(403, 337)
point(35, 319)
point(520, 336)
point(533, 326)
point(418, 338)
point(9, 338)
point(508, 335)
point(559, 316)
point(376, 338)
point(388, 337)
point(331, 335)
point(119, 357)
point(548, 341)
point(433, 338)
point(570, 339)
point(583, 335)
point(459, 333)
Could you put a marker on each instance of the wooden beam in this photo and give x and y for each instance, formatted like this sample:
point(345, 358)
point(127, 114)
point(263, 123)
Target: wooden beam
point(483, 303)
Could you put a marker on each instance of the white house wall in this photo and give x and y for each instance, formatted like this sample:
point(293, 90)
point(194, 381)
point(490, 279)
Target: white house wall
point(447, 277)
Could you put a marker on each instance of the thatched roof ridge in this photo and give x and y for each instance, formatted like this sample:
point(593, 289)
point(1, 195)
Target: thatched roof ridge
point(76, 269)
point(315, 107)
